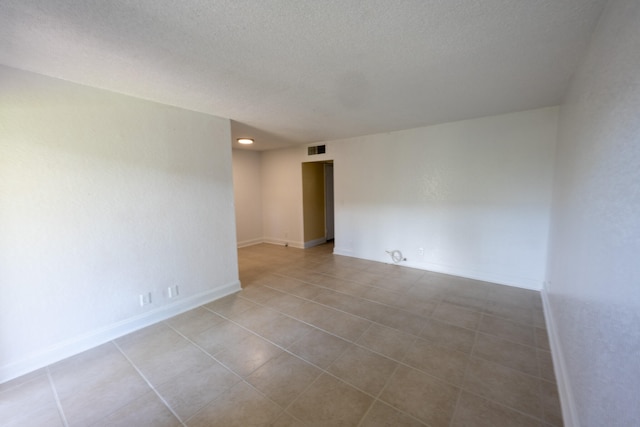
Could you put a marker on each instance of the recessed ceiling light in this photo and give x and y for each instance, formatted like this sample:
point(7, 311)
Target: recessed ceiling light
point(245, 141)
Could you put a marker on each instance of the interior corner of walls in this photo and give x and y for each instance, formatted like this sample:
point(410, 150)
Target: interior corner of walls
point(567, 402)
point(111, 332)
point(280, 242)
point(316, 242)
point(250, 242)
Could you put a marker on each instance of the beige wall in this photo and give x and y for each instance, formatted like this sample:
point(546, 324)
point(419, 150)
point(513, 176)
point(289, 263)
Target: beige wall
point(247, 190)
point(313, 201)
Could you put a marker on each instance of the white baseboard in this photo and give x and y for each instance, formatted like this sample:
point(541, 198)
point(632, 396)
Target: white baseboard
point(316, 242)
point(100, 336)
point(293, 244)
point(569, 413)
point(518, 282)
point(251, 242)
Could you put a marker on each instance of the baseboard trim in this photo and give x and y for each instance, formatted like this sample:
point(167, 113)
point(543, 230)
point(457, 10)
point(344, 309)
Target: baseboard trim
point(316, 242)
point(569, 413)
point(299, 245)
point(108, 333)
point(251, 242)
point(517, 282)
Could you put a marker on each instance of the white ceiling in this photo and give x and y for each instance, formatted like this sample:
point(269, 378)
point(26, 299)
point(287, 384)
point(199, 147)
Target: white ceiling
point(300, 71)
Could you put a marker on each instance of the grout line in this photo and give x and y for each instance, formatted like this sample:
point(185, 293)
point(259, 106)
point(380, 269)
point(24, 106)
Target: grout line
point(162, 399)
point(57, 398)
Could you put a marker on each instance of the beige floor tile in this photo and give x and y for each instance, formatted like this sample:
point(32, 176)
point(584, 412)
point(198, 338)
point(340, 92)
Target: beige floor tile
point(542, 339)
point(230, 305)
point(363, 369)
point(507, 353)
point(23, 379)
point(386, 341)
point(319, 348)
point(286, 420)
point(147, 410)
point(46, 415)
point(259, 294)
point(449, 336)
point(470, 300)
point(546, 365)
point(28, 400)
point(248, 355)
point(381, 295)
point(425, 397)
point(504, 385)
point(283, 330)
point(551, 409)
point(503, 328)
point(239, 406)
point(196, 387)
point(255, 318)
point(341, 324)
point(383, 415)
point(220, 336)
point(283, 378)
point(401, 320)
point(441, 362)
point(89, 402)
point(156, 339)
point(160, 367)
point(473, 410)
point(511, 312)
point(420, 306)
point(457, 315)
point(329, 401)
point(285, 303)
point(194, 321)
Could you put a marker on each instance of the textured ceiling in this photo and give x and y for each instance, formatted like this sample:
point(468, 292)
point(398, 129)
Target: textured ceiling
point(299, 71)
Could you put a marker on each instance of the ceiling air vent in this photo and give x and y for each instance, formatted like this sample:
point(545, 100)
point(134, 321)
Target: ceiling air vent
point(317, 149)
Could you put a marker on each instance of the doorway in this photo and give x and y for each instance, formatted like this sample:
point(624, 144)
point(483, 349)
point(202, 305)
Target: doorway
point(317, 202)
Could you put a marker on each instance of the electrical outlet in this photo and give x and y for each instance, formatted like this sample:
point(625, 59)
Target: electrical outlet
point(145, 299)
point(173, 291)
point(421, 251)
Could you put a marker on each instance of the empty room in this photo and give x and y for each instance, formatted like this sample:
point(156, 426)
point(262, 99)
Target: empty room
point(320, 213)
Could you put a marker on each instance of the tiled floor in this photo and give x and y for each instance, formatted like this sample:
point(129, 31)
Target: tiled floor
point(314, 339)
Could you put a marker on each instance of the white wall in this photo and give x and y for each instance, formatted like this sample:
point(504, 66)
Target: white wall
point(593, 289)
point(475, 195)
point(247, 189)
point(104, 197)
point(282, 196)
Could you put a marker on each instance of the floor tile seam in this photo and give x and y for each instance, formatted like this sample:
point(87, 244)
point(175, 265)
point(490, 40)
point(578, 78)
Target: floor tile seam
point(516, 370)
point(341, 311)
point(378, 398)
point(56, 397)
point(344, 312)
point(504, 405)
point(536, 375)
point(22, 380)
point(219, 396)
point(509, 340)
point(323, 370)
point(464, 388)
point(151, 386)
point(543, 408)
point(426, 318)
point(511, 320)
point(464, 377)
point(286, 349)
point(404, 363)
